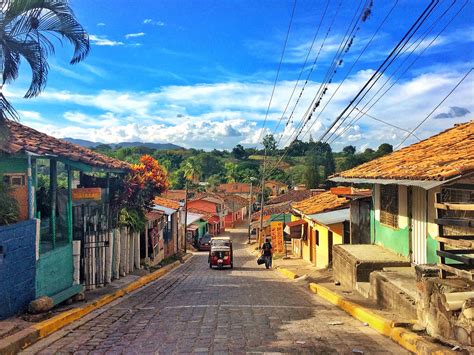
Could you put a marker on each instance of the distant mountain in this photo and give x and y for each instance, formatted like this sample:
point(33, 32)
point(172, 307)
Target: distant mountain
point(158, 146)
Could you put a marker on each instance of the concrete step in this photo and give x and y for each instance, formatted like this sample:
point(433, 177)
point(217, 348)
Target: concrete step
point(363, 288)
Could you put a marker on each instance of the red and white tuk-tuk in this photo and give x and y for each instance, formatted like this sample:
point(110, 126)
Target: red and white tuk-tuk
point(221, 253)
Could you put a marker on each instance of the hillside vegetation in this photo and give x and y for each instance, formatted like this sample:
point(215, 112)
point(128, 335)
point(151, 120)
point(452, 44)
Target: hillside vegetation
point(308, 163)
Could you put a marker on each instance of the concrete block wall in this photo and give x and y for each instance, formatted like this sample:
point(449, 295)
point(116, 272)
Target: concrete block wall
point(17, 267)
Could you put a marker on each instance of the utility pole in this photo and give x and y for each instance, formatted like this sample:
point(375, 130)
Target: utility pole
point(250, 207)
point(262, 199)
point(186, 217)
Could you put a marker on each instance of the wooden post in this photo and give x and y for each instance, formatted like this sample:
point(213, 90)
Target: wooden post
point(69, 204)
point(186, 218)
point(250, 209)
point(53, 187)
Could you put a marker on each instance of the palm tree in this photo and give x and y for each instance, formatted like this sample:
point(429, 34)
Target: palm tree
point(192, 171)
point(26, 30)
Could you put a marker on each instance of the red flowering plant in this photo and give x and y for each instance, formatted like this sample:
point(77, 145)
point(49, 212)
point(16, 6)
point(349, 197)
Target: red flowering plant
point(146, 180)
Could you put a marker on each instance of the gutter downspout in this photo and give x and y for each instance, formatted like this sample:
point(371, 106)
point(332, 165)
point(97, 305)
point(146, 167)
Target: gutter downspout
point(31, 189)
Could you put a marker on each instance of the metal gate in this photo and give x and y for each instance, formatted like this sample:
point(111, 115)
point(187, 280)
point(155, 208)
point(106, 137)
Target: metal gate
point(92, 226)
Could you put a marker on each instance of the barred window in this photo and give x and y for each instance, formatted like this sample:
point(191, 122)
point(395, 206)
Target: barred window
point(389, 205)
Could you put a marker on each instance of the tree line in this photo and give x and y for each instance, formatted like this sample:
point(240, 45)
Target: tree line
point(308, 163)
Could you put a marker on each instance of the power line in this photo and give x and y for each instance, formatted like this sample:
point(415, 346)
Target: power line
point(437, 106)
point(337, 61)
point(421, 39)
point(312, 68)
point(278, 72)
point(346, 43)
point(384, 66)
point(387, 123)
point(352, 67)
point(303, 67)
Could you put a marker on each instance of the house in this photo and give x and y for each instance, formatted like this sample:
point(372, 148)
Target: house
point(197, 225)
point(409, 185)
point(292, 196)
point(173, 239)
point(237, 208)
point(212, 205)
point(67, 195)
point(278, 188)
point(273, 222)
point(318, 223)
point(235, 188)
point(175, 195)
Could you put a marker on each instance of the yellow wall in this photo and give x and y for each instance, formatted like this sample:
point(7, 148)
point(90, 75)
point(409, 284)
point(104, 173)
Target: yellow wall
point(322, 250)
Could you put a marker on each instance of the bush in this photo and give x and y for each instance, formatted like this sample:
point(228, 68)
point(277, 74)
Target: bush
point(9, 211)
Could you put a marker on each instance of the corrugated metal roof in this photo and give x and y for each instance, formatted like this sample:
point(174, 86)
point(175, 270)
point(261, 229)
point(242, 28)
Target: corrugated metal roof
point(167, 211)
point(193, 217)
point(331, 217)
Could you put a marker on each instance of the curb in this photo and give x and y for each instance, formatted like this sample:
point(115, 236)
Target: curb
point(404, 337)
point(28, 336)
point(287, 273)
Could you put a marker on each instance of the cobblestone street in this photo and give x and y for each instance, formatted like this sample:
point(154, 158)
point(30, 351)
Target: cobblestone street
point(195, 309)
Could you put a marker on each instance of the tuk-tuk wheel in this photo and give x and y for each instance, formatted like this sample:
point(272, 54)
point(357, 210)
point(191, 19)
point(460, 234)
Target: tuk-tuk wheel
point(231, 265)
point(210, 266)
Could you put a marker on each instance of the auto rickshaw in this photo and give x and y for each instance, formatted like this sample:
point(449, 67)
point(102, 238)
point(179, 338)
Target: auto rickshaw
point(221, 253)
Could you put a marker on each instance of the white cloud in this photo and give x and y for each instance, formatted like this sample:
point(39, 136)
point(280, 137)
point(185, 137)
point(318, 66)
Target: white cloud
point(101, 24)
point(134, 35)
point(30, 115)
point(149, 21)
point(100, 40)
point(222, 115)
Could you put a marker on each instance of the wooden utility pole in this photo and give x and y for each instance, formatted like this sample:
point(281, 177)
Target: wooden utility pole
point(186, 217)
point(250, 208)
point(262, 199)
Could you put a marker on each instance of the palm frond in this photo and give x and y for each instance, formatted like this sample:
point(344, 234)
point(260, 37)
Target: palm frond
point(49, 16)
point(11, 63)
point(7, 112)
point(35, 55)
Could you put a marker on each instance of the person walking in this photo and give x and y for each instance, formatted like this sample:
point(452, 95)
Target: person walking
point(267, 253)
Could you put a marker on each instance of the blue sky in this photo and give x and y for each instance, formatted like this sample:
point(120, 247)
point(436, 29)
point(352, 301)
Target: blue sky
point(200, 73)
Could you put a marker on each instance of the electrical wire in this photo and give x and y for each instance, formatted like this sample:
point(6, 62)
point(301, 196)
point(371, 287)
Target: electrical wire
point(278, 72)
point(421, 39)
point(436, 107)
point(383, 67)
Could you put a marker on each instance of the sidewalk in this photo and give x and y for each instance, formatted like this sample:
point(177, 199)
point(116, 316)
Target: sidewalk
point(25, 329)
point(385, 322)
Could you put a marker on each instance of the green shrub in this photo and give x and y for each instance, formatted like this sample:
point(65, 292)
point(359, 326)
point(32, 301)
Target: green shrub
point(9, 211)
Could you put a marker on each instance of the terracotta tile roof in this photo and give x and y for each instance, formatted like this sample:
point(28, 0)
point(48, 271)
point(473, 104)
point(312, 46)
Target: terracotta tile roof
point(443, 156)
point(23, 138)
point(206, 215)
point(274, 182)
point(165, 202)
point(292, 196)
point(234, 202)
point(277, 208)
point(176, 195)
point(208, 196)
point(326, 201)
point(235, 188)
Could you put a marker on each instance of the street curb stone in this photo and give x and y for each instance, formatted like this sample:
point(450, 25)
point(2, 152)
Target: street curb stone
point(404, 337)
point(28, 336)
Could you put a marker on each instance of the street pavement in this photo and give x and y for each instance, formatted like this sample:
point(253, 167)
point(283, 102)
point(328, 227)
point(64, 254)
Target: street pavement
point(194, 309)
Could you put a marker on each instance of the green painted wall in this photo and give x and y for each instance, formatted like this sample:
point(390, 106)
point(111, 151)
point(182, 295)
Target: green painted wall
point(280, 218)
point(54, 271)
point(202, 228)
point(13, 164)
point(396, 240)
point(431, 247)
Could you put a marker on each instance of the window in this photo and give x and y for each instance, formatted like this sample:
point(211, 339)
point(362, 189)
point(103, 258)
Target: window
point(14, 179)
point(317, 237)
point(389, 205)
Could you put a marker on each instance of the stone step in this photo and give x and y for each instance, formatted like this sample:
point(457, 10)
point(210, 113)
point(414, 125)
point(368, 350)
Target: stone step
point(363, 288)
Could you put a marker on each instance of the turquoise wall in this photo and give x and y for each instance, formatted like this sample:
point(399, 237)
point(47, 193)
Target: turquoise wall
point(396, 240)
point(13, 164)
point(54, 271)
